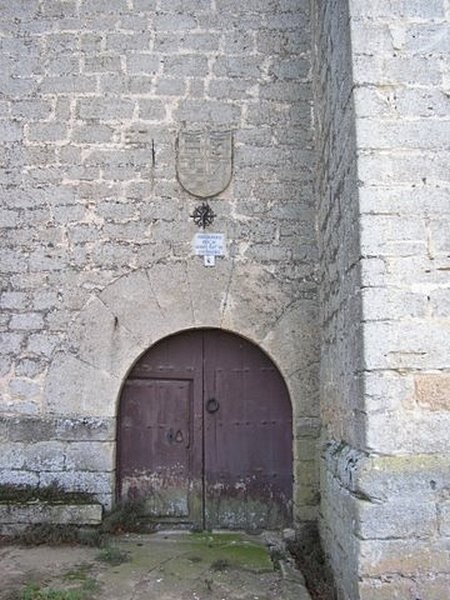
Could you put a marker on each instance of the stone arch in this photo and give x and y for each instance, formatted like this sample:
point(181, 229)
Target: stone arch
point(132, 313)
point(140, 308)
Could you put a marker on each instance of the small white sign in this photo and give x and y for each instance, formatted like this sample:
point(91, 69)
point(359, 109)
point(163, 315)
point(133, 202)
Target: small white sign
point(209, 244)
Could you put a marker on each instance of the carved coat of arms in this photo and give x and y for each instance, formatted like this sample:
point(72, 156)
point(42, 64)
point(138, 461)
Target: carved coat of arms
point(204, 161)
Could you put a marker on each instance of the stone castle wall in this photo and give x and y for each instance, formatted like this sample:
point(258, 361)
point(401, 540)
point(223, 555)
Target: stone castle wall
point(382, 138)
point(340, 281)
point(97, 263)
point(402, 122)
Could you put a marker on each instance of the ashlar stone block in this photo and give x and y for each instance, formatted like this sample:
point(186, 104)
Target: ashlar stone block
point(398, 519)
point(99, 338)
point(90, 456)
point(17, 516)
point(381, 558)
point(432, 391)
point(75, 387)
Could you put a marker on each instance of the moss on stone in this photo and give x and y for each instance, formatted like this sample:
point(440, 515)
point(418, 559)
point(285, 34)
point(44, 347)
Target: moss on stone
point(12, 494)
point(234, 550)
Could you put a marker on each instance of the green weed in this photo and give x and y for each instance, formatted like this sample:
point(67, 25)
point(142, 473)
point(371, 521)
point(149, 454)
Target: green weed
point(113, 555)
point(221, 564)
point(125, 517)
point(80, 574)
point(34, 592)
point(86, 586)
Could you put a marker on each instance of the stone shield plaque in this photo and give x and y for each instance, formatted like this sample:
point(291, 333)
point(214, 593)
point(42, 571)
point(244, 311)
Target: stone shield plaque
point(204, 161)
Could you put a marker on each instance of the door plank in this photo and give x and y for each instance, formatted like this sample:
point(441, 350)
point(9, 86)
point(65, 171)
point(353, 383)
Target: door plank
point(248, 440)
point(155, 430)
point(160, 431)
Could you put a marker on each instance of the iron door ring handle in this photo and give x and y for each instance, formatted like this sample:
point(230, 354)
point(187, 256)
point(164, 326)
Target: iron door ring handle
point(212, 406)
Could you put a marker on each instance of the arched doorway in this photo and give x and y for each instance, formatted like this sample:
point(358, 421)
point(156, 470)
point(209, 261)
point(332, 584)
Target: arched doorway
point(205, 433)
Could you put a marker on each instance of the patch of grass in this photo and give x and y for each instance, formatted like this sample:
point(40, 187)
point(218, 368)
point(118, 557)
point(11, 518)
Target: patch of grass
point(247, 554)
point(214, 540)
point(13, 494)
point(232, 550)
point(83, 578)
point(89, 587)
point(53, 535)
point(79, 574)
point(113, 555)
point(195, 559)
point(81, 586)
point(34, 592)
point(221, 564)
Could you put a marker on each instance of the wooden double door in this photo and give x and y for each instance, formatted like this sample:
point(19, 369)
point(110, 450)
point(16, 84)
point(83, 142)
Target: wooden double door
point(205, 434)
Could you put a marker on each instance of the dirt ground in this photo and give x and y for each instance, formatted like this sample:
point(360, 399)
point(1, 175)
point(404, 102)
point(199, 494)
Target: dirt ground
point(160, 566)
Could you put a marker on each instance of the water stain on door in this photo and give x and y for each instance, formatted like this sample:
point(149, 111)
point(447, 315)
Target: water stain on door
point(205, 434)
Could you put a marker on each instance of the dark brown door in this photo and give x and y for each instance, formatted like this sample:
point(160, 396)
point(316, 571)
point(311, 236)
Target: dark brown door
point(160, 431)
point(205, 433)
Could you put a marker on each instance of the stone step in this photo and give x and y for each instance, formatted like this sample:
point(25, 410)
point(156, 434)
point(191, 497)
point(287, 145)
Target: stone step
point(14, 518)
